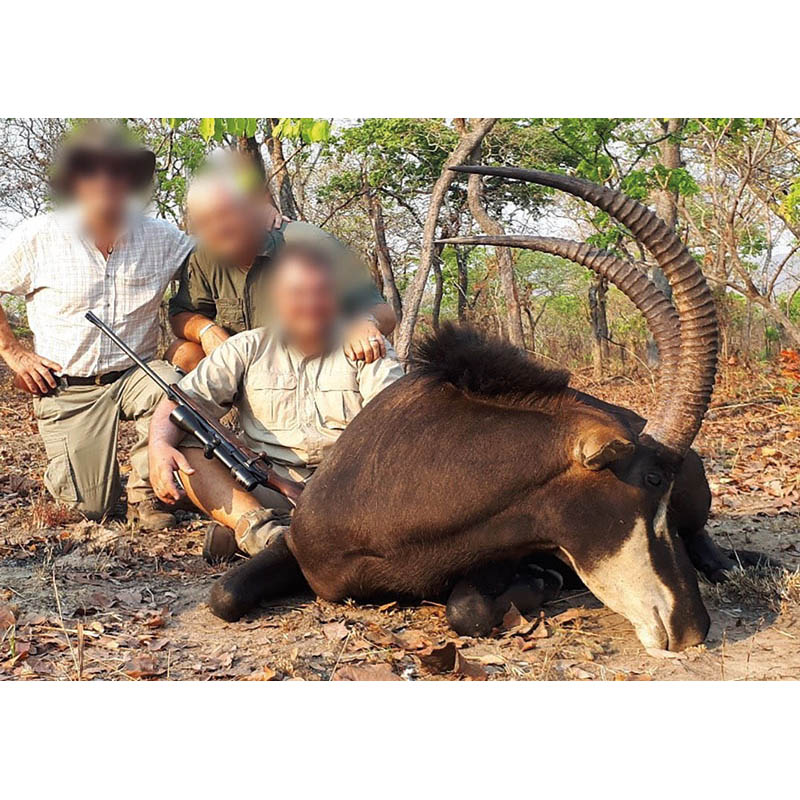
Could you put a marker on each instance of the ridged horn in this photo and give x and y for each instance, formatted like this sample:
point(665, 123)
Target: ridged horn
point(676, 426)
point(631, 280)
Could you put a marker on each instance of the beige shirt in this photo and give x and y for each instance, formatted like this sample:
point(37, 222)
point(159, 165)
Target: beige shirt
point(291, 408)
point(51, 262)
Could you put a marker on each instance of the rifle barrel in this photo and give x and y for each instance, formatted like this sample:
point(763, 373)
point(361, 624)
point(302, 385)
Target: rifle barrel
point(98, 323)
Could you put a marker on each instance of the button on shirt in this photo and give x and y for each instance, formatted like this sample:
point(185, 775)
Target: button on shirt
point(58, 269)
point(291, 408)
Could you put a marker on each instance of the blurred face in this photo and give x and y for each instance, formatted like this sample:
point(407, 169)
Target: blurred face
point(304, 303)
point(102, 187)
point(229, 226)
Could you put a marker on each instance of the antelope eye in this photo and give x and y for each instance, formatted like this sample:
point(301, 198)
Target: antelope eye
point(653, 478)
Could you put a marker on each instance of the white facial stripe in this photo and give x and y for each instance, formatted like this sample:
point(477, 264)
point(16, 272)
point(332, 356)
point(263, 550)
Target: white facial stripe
point(628, 583)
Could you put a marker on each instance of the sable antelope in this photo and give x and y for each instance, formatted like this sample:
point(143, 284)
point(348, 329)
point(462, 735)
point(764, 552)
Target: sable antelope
point(489, 458)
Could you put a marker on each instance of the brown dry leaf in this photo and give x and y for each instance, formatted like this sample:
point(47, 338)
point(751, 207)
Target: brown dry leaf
point(157, 644)
point(142, 667)
point(412, 640)
point(570, 615)
point(512, 619)
point(367, 672)
point(335, 631)
point(541, 631)
point(157, 619)
point(490, 659)
point(387, 606)
point(439, 659)
point(380, 636)
point(265, 674)
point(468, 668)
point(7, 618)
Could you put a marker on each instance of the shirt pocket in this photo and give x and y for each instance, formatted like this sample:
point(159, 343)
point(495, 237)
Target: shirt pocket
point(273, 399)
point(230, 314)
point(338, 399)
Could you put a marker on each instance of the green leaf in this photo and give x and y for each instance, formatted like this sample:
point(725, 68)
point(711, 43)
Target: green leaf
point(219, 129)
point(206, 127)
point(320, 131)
point(251, 126)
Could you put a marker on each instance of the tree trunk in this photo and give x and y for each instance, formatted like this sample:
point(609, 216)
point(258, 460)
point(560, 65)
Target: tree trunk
point(666, 206)
point(438, 289)
point(248, 146)
point(280, 174)
point(413, 299)
point(505, 261)
point(597, 310)
point(375, 212)
point(463, 283)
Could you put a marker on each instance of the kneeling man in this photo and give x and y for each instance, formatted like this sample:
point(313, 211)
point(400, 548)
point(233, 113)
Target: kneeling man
point(295, 391)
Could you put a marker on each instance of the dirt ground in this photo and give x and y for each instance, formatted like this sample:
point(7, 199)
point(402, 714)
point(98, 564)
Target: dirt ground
point(80, 600)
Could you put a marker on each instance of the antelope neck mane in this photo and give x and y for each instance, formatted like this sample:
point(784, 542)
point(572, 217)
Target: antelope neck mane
point(489, 369)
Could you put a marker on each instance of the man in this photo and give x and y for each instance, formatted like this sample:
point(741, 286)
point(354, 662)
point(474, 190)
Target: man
point(100, 254)
point(240, 231)
point(295, 390)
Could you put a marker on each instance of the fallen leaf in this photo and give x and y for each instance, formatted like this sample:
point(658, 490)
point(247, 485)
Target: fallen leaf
point(265, 674)
point(380, 636)
point(541, 631)
point(570, 615)
point(468, 668)
point(367, 672)
point(490, 659)
point(412, 640)
point(142, 667)
point(512, 619)
point(335, 631)
point(7, 618)
point(439, 659)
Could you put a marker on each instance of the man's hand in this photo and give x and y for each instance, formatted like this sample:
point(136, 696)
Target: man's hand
point(212, 339)
point(34, 373)
point(164, 461)
point(364, 342)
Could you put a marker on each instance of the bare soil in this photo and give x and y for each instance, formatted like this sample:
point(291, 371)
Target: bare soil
point(89, 601)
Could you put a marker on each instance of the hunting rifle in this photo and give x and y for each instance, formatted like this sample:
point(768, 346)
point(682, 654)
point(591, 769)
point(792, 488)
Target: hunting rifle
point(249, 468)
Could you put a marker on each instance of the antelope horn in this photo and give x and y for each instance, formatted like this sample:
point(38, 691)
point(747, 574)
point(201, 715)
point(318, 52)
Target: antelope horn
point(658, 311)
point(676, 423)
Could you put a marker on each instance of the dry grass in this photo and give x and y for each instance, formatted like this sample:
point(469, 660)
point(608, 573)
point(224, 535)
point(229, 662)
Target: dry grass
point(774, 587)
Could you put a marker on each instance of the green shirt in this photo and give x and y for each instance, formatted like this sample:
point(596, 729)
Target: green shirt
point(233, 297)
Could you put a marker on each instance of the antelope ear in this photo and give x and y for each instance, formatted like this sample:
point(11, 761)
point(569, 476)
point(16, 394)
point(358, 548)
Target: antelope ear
point(601, 446)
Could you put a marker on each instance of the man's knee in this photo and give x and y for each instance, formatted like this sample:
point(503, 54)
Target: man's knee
point(184, 355)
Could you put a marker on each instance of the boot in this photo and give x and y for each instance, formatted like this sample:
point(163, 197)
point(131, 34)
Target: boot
point(149, 515)
point(220, 544)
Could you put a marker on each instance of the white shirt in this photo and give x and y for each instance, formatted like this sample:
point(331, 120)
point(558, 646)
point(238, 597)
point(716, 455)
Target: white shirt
point(62, 275)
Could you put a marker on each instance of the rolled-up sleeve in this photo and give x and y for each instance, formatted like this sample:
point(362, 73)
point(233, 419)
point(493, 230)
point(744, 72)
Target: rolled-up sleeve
point(375, 377)
point(214, 383)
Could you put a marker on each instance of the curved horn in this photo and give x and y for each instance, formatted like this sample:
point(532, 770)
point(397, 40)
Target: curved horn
point(658, 311)
point(676, 428)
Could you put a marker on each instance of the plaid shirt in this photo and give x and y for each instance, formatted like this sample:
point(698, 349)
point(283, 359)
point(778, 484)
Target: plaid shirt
point(62, 275)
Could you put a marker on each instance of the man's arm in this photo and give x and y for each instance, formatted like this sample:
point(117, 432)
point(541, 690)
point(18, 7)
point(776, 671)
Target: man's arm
point(194, 327)
point(374, 377)
point(213, 384)
point(165, 458)
point(193, 309)
point(33, 372)
point(17, 266)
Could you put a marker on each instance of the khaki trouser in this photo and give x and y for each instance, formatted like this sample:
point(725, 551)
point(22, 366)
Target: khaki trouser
point(80, 426)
